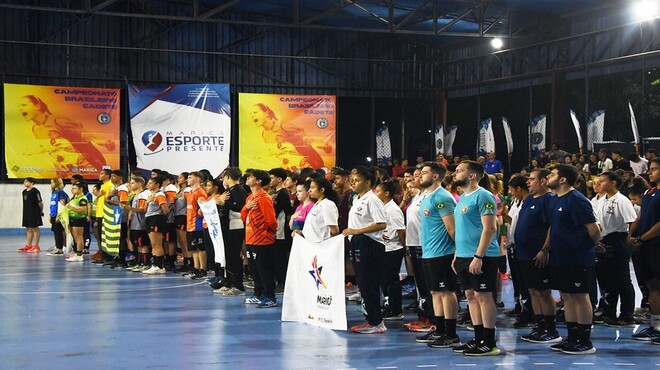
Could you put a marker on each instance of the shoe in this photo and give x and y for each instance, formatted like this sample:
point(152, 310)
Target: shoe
point(482, 349)
point(267, 303)
point(390, 316)
point(253, 300)
point(233, 292)
point(154, 270)
point(33, 249)
point(200, 275)
point(545, 337)
point(500, 306)
point(182, 269)
point(464, 347)
point(370, 329)
point(561, 345)
point(514, 312)
point(579, 349)
point(118, 263)
point(527, 336)
point(428, 337)
point(141, 268)
point(85, 251)
point(221, 290)
point(619, 322)
point(97, 256)
point(655, 341)
point(523, 324)
point(412, 306)
point(75, 258)
point(349, 288)
point(420, 326)
point(647, 334)
point(410, 295)
point(444, 342)
point(129, 257)
point(24, 248)
point(355, 297)
point(56, 252)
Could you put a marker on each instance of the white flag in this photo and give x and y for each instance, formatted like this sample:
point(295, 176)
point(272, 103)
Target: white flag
point(507, 134)
point(212, 220)
point(633, 125)
point(383, 146)
point(576, 124)
point(450, 135)
point(537, 134)
point(595, 127)
point(439, 136)
point(314, 289)
point(486, 137)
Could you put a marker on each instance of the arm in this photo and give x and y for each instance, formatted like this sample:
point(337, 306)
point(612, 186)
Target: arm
point(450, 225)
point(653, 232)
point(266, 207)
point(367, 229)
point(402, 236)
point(594, 231)
point(489, 223)
point(543, 255)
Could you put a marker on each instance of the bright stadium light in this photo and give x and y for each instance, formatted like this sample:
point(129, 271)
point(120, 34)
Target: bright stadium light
point(645, 9)
point(368, 159)
point(497, 43)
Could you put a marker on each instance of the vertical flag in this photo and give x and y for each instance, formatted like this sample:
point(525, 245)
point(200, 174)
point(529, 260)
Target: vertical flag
point(595, 126)
point(383, 145)
point(111, 230)
point(440, 142)
point(576, 125)
point(486, 137)
point(212, 219)
point(633, 125)
point(537, 135)
point(507, 134)
point(450, 135)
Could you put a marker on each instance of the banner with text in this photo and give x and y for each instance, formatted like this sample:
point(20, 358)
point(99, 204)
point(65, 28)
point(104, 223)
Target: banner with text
point(288, 131)
point(55, 131)
point(183, 127)
point(314, 289)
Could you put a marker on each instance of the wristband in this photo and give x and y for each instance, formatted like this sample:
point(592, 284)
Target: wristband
point(478, 257)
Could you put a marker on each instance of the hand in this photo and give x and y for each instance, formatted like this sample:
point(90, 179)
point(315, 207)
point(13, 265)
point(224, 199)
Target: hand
point(475, 266)
point(296, 232)
point(295, 215)
point(223, 198)
point(541, 259)
point(122, 205)
point(634, 243)
point(453, 265)
point(348, 232)
point(251, 204)
point(600, 248)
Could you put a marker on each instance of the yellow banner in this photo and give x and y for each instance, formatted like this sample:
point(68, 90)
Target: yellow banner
point(288, 131)
point(54, 131)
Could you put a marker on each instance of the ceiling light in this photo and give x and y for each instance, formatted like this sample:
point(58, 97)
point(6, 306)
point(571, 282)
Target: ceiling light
point(497, 43)
point(644, 9)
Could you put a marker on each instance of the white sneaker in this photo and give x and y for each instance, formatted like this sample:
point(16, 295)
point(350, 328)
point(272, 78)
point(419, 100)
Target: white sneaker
point(355, 297)
point(75, 258)
point(154, 270)
point(221, 290)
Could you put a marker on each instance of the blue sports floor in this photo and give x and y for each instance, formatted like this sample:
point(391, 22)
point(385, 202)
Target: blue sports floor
point(59, 315)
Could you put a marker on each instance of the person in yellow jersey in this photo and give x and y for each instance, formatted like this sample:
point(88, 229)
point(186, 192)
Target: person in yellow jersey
point(106, 188)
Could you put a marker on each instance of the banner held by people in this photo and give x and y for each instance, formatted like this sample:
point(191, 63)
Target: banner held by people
point(212, 219)
point(314, 289)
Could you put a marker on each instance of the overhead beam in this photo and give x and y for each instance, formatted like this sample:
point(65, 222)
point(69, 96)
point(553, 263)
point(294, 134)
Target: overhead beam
point(458, 19)
point(103, 5)
point(411, 16)
point(218, 9)
point(328, 12)
point(494, 23)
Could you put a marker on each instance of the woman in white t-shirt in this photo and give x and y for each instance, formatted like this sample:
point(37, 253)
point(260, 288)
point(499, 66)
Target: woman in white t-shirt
point(394, 235)
point(322, 221)
point(366, 222)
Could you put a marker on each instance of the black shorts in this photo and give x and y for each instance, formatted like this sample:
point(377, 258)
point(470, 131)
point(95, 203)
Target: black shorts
point(440, 273)
point(649, 268)
point(502, 265)
point(78, 222)
point(140, 238)
point(572, 279)
point(195, 241)
point(484, 282)
point(534, 277)
point(170, 233)
point(32, 219)
point(181, 222)
point(157, 224)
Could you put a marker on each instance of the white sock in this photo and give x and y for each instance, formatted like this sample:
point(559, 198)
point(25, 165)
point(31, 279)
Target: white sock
point(655, 322)
point(499, 297)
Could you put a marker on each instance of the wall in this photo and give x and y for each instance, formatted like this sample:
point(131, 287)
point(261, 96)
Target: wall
point(11, 205)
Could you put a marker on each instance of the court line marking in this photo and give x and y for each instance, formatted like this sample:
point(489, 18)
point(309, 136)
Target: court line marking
point(503, 364)
point(427, 365)
point(625, 364)
point(386, 367)
point(583, 363)
point(543, 363)
point(466, 364)
point(104, 291)
point(112, 279)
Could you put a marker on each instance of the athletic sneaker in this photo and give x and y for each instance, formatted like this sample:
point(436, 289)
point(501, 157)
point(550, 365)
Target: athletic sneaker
point(267, 303)
point(464, 347)
point(370, 329)
point(220, 290)
point(34, 249)
point(618, 322)
point(527, 336)
point(428, 337)
point(355, 297)
point(482, 349)
point(545, 337)
point(253, 300)
point(390, 316)
point(420, 326)
point(445, 342)
point(561, 345)
point(154, 270)
point(579, 349)
point(656, 341)
point(129, 257)
point(647, 334)
point(75, 258)
point(232, 292)
point(24, 248)
point(56, 252)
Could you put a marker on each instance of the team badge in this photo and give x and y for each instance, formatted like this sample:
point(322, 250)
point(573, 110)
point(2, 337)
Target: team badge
point(427, 213)
point(490, 206)
point(441, 205)
point(464, 209)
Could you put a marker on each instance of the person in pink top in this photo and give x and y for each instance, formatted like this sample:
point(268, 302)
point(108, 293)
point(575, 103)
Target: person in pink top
point(306, 203)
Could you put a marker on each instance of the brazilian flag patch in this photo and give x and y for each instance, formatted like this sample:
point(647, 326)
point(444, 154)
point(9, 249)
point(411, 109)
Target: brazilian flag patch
point(490, 206)
point(441, 205)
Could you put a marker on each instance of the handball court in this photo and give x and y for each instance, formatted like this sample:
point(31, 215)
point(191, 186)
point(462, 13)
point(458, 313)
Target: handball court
point(59, 315)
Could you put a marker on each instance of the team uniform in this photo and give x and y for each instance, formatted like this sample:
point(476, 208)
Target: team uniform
point(233, 233)
point(156, 219)
point(170, 192)
point(78, 219)
point(31, 209)
point(530, 234)
point(180, 208)
point(438, 247)
point(137, 220)
point(195, 222)
point(323, 214)
point(55, 226)
point(391, 283)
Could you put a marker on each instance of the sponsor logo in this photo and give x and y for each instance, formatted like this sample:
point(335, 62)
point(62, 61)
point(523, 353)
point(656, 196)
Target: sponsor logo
point(532, 207)
point(322, 123)
point(537, 138)
point(152, 141)
point(482, 286)
point(545, 281)
point(490, 206)
point(426, 212)
point(438, 144)
point(316, 274)
point(578, 285)
point(104, 118)
point(183, 141)
point(464, 209)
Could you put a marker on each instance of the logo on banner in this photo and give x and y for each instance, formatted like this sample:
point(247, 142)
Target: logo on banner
point(152, 140)
point(104, 118)
point(322, 123)
point(322, 301)
point(438, 144)
point(537, 138)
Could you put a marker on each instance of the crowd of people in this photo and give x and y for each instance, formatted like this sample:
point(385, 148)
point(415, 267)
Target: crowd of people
point(562, 225)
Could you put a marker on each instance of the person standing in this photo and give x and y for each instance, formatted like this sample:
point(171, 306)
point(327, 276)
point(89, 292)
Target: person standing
point(322, 222)
point(571, 254)
point(106, 187)
point(477, 256)
point(156, 217)
point(58, 197)
point(283, 211)
point(33, 210)
point(195, 228)
point(77, 209)
point(604, 163)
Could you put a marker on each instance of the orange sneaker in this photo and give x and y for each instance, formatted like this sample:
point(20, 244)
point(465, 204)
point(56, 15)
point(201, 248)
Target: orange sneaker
point(24, 249)
point(34, 249)
point(422, 325)
point(97, 256)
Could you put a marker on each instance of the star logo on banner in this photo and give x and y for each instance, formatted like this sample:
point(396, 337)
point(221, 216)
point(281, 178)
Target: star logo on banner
point(316, 274)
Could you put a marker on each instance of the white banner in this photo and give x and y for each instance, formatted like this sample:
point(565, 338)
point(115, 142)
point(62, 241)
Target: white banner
point(439, 135)
point(212, 219)
point(537, 134)
point(450, 136)
point(595, 127)
point(633, 125)
point(576, 125)
point(486, 139)
point(314, 289)
point(507, 134)
point(383, 146)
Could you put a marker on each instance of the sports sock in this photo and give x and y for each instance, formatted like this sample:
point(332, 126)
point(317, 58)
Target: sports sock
point(550, 323)
point(158, 261)
point(450, 328)
point(478, 333)
point(489, 337)
point(540, 322)
point(572, 331)
point(439, 322)
point(583, 333)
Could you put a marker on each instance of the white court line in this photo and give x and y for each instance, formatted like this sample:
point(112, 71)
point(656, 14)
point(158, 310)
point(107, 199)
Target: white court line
point(103, 291)
point(583, 363)
point(624, 364)
point(543, 363)
point(427, 365)
point(386, 367)
point(502, 364)
point(466, 364)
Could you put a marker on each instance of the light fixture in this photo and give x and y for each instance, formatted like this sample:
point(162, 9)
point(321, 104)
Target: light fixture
point(368, 159)
point(644, 9)
point(497, 43)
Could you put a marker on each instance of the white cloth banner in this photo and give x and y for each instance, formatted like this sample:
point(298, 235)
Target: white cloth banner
point(507, 134)
point(212, 219)
point(439, 135)
point(450, 136)
point(633, 125)
point(576, 125)
point(537, 134)
point(486, 137)
point(383, 146)
point(314, 289)
point(595, 127)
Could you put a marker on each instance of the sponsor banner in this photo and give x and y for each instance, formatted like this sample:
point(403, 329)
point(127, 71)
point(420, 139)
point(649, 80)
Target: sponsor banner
point(288, 131)
point(507, 134)
point(180, 128)
point(595, 127)
point(383, 146)
point(486, 140)
point(314, 289)
point(537, 135)
point(212, 219)
point(56, 131)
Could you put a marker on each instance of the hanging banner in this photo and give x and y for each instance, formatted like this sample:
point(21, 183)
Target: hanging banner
point(181, 128)
point(444, 140)
point(633, 125)
point(537, 135)
point(314, 288)
point(288, 131)
point(56, 131)
point(450, 136)
point(507, 134)
point(486, 139)
point(595, 127)
point(383, 146)
point(212, 219)
point(576, 125)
